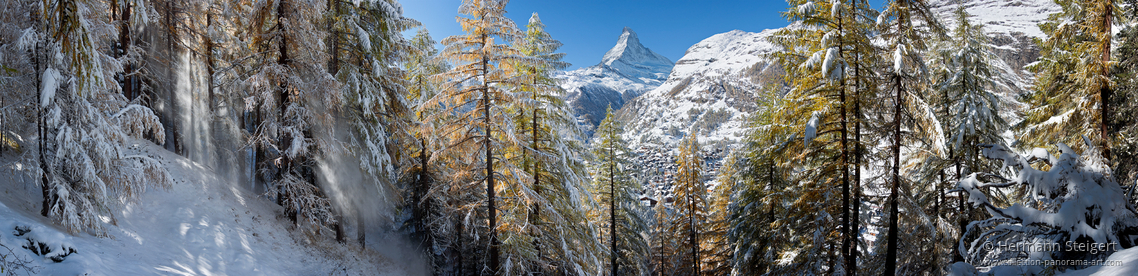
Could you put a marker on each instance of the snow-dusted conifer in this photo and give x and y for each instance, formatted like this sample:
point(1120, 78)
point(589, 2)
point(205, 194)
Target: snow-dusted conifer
point(1072, 84)
point(475, 119)
point(551, 154)
point(84, 123)
point(619, 222)
point(906, 26)
point(295, 99)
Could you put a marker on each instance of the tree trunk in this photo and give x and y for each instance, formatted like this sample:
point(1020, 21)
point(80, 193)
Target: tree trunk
point(846, 230)
point(493, 213)
point(612, 202)
point(41, 126)
point(891, 250)
point(856, 204)
point(283, 98)
point(1105, 91)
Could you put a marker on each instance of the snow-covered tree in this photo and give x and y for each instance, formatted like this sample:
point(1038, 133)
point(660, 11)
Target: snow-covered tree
point(827, 55)
point(765, 192)
point(1072, 84)
point(473, 111)
point(1075, 202)
point(366, 41)
point(426, 219)
point(906, 27)
point(84, 123)
point(551, 154)
point(294, 97)
point(615, 188)
point(968, 109)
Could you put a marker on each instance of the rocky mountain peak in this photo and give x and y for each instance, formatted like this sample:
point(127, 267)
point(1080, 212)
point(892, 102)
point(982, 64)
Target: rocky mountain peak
point(632, 59)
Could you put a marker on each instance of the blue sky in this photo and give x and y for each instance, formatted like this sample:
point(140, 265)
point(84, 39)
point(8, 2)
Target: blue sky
point(588, 28)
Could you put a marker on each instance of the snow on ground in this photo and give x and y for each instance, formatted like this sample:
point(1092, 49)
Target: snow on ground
point(1123, 262)
point(203, 225)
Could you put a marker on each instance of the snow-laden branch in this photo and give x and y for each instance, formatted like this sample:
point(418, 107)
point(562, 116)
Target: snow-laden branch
point(1076, 200)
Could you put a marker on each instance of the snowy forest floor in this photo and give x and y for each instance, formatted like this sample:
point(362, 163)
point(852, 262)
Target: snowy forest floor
point(203, 225)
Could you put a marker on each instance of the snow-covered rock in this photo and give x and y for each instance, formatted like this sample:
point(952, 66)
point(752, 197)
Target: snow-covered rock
point(626, 71)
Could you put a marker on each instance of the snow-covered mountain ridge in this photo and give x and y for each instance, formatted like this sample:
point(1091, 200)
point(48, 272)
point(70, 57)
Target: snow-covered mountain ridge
point(708, 91)
point(626, 71)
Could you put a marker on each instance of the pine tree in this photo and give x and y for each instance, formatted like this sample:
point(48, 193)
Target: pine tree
point(474, 117)
point(83, 121)
point(1124, 114)
point(1072, 89)
point(614, 187)
point(291, 92)
point(907, 25)
point(551, 155)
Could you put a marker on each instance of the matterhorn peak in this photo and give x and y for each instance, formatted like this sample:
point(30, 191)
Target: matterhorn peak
point(631, 58)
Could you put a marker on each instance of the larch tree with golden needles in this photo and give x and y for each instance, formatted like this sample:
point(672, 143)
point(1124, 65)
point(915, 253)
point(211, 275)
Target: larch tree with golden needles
point(551, 155)
point(690, 205)
point(1072, 83)
point(475, 118)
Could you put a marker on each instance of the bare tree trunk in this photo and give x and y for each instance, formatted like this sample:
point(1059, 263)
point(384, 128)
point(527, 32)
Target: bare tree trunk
point(1105, 91)
point(493, 213)
point(856, 208)
point(41, 126)
point(891, 250)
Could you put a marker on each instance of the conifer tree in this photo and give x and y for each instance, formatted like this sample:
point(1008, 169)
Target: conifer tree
point(690, 205)
point(906, 26)
point(1124, 115)
point(289, 89)
point(551, 154)
point(968, 110)
point(1072, 84)
point(474, 116)
point(614, 187)
point(756, 168)
point(831, 37)
point(425, 211)
point(83, 120)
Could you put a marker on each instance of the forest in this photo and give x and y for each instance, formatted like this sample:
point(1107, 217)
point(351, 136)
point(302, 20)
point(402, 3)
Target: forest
point(890, 145)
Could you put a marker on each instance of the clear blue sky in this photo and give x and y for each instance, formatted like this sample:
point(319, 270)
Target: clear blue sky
point(588, 28)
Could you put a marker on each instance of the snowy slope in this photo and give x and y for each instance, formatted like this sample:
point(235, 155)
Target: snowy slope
point(710, 90)
point(203, 225)
point(625, 71)
point(1000, 16)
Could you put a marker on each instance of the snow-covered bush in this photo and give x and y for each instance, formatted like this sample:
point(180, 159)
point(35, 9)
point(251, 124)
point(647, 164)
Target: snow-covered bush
point(1076, 202)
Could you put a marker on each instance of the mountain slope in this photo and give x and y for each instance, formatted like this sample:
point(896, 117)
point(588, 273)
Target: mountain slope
point(626, 71)
point(709, 91)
